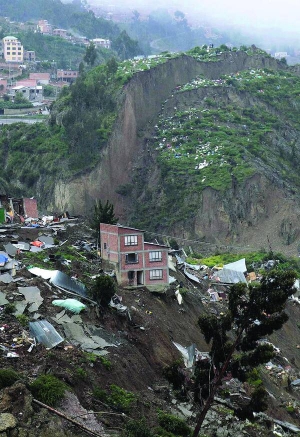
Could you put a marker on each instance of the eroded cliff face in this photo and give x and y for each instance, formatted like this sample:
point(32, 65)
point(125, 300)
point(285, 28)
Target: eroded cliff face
point(245, 215)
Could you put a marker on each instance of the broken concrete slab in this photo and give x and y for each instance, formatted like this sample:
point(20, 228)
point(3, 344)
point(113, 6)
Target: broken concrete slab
point(3, 300)
point(32, 296)
point(6, 278)
point(47, 240)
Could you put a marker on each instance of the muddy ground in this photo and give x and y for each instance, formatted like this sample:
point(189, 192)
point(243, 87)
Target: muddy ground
point(136, 364)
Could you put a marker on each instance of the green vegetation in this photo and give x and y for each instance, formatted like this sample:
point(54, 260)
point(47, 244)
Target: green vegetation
point(137, 428)
point(105, 362)
point(23, 319)
point(252, 259)
point(103, 289)
point(9, 308)
point(48, 389)
point(103, 213)
point(118, 398)
point(8, 377)
point(80, 373)
point(254, 311)
point(173, 424)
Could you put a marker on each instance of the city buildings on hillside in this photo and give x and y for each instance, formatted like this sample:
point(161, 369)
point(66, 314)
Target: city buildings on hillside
point(13, 50)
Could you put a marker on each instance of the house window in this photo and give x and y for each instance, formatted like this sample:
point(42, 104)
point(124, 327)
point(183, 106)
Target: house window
point(156, 274)
point(131, 258)
point(105, 245)
point(131, 240)
point(155, 256)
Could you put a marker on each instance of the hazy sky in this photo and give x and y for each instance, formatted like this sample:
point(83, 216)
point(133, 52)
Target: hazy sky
point(283, 14)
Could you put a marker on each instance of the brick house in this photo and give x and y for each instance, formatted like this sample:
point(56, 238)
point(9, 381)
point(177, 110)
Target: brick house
point(137, 262)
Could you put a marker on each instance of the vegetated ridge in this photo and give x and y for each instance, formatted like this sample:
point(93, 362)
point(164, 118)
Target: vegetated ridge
point(202, 145)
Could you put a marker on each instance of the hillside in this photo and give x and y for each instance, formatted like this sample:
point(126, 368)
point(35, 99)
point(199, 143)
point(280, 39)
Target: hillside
point(202, 146)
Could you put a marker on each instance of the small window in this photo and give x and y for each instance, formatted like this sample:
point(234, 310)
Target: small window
point(156, 274)
point(105, 245)
point(131, 240)
point(155, 256)
point(132, 258)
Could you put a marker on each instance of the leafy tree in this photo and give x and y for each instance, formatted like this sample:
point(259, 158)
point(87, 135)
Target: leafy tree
point(104, 213)
point(103, 290)
point(19, 98)
point(254, 311)
point(90, 54)
point(125, 46)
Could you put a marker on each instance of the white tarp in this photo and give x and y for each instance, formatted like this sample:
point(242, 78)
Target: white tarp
point(237, 266)
point(43, 273)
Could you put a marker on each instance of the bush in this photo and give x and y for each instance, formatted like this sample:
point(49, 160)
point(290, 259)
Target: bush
point(173, 374)
point(137, 428)
point(10, 308)
point(120, 398)
point(103, 290)
point(173, 424)
point(23, 319)
point(8, 377)
point(48, 389)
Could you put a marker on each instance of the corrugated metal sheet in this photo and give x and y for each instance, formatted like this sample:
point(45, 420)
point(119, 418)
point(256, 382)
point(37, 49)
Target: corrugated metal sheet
point(44, 333)
point(230, 276)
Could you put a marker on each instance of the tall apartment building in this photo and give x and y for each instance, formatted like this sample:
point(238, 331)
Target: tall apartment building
point(13, 50)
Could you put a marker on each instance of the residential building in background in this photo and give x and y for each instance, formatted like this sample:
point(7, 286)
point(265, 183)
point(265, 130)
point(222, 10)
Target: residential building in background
point(100, 42)
point(29, 55)
point(62, 33)
point(13, 50)
point(66, 75)
point(45, 27)
point(137, 262)
point(41, 78)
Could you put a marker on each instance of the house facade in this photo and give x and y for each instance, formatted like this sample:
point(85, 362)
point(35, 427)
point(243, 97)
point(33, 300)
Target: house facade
point(137, 261)
point(13, 50)
point(66, 75)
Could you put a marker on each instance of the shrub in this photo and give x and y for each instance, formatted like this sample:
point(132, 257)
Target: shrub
point(103, 290)
point(120, 398)
point(23, 320)
point(100, 394)
point(137, 428)
point(80, 373)
point(8, 377)
point(173, 424)
point(9, 308)
point(173, 375)
point(106, 363)
point(48, 389)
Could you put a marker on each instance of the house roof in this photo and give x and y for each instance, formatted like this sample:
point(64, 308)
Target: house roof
point(26, 82)
point(127, 227)
point(39, 76)
point(156, 244)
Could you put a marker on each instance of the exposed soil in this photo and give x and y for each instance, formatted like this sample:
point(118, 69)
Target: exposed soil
point(137, 364)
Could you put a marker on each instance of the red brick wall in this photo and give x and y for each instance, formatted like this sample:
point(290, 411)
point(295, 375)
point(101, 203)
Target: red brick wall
point(109, 237)
point(30, 207)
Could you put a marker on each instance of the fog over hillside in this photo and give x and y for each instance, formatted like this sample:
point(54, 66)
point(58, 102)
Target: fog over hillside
point(263, 22)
